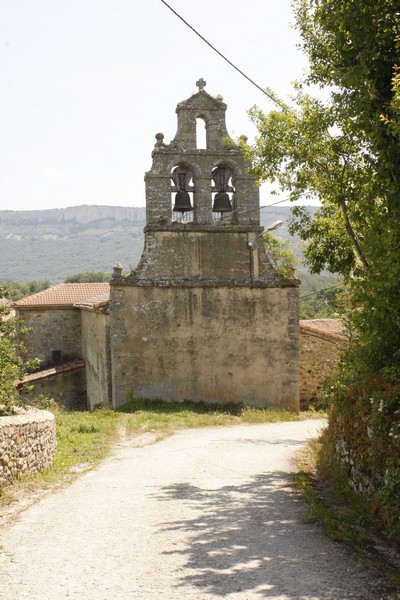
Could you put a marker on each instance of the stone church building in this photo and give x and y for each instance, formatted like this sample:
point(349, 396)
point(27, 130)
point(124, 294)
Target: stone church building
point(204, 316)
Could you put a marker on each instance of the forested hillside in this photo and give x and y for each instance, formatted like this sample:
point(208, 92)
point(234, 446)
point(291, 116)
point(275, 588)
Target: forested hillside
point(52, 244)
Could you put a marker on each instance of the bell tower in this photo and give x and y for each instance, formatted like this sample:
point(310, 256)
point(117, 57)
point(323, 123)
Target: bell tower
point(204, 316)
point(209, 184)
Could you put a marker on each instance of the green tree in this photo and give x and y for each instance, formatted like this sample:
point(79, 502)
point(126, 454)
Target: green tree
point(354, 47)
point(281, 255)
point(35, 286)
point(345, 152)
point(88, 277)
point(298, 150)
point(321, 296)
point(12, 365)
point(14, 290)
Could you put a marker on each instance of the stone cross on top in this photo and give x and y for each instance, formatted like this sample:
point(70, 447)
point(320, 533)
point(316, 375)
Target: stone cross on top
point(201, 84)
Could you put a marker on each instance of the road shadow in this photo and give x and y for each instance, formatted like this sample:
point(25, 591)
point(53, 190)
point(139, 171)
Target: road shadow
point(253, 538)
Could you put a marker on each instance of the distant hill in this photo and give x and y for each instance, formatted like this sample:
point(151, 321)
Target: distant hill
point(52, 244)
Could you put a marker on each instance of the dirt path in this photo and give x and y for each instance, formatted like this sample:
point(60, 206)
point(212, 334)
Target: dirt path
point(205, 514)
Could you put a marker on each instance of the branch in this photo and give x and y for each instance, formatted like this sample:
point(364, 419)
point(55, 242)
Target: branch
point(353, 238)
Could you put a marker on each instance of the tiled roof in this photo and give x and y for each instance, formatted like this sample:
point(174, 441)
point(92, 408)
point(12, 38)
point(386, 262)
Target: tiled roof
point(64, 294)
point(97, 302)
point(330, 327)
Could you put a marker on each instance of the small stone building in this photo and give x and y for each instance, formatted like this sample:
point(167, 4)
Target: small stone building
point(61, 319)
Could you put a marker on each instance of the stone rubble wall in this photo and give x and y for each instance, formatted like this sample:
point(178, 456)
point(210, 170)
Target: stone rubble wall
point(51, 329)
point(27, 444)
point(318, 356)
point(361, 481)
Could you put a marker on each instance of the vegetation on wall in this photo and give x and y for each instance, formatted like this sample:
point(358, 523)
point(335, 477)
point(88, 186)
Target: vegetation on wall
point(345, 151)
point(281, 255)
point(364, 433)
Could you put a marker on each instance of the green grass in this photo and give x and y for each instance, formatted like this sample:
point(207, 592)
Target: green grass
point(85, 438)
point(331, 502)
point(343, 513)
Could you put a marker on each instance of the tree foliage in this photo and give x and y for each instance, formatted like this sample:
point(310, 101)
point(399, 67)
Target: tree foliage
point(345, 152)
point(14, 290)
point(353, 47)
point(12, 366)
point(88, 277)
point(321, 296)
point(305, 153)
point(281, 255)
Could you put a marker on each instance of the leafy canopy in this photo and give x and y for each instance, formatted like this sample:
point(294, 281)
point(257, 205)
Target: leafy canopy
point(345, 152)
point(12, 365)
point(88, 277)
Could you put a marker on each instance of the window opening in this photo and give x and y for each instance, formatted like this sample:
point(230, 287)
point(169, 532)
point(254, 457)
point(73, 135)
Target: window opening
point(201, 134)
point(56, 356)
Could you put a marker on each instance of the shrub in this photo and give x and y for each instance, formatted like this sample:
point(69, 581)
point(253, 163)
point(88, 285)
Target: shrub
point(364, 432)
point(12, 366)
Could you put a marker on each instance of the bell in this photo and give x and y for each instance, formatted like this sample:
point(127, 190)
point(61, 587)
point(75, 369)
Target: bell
point(182, 202)
point(222, 203)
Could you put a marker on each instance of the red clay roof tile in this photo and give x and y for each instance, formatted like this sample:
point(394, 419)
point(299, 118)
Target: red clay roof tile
point(64, 294)
point(330, 327)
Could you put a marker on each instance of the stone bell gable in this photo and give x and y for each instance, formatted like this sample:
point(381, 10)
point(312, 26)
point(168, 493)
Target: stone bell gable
point(194, 169)
point(204, 316)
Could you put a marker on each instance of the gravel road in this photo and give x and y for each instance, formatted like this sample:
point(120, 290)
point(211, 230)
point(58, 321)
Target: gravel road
point(205, 514)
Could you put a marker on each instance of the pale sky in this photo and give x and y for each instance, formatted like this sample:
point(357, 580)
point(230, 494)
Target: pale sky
point(86, 84)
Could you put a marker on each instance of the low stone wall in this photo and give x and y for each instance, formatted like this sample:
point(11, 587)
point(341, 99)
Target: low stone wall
point(27, 444)
point(360, 480)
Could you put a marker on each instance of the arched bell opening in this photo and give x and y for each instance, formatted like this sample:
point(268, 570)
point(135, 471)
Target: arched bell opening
point(182, 194)
point(222, 193)
point(201, 133)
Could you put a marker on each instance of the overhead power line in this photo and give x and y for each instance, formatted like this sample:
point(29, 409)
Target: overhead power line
point(225, 58)
point(331, 287)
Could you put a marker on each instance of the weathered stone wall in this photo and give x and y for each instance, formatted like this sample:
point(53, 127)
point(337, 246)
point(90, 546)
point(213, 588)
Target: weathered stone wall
point(210, 252)
point(318, 354)
point(361, 479)
point(67, 389)
point(183, 151)
point(27, 444)
point(52, 329)
point(215, 344)
point(96, 350)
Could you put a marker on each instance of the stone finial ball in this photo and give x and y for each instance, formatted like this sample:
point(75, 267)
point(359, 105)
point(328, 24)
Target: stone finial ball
point(117, 268)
